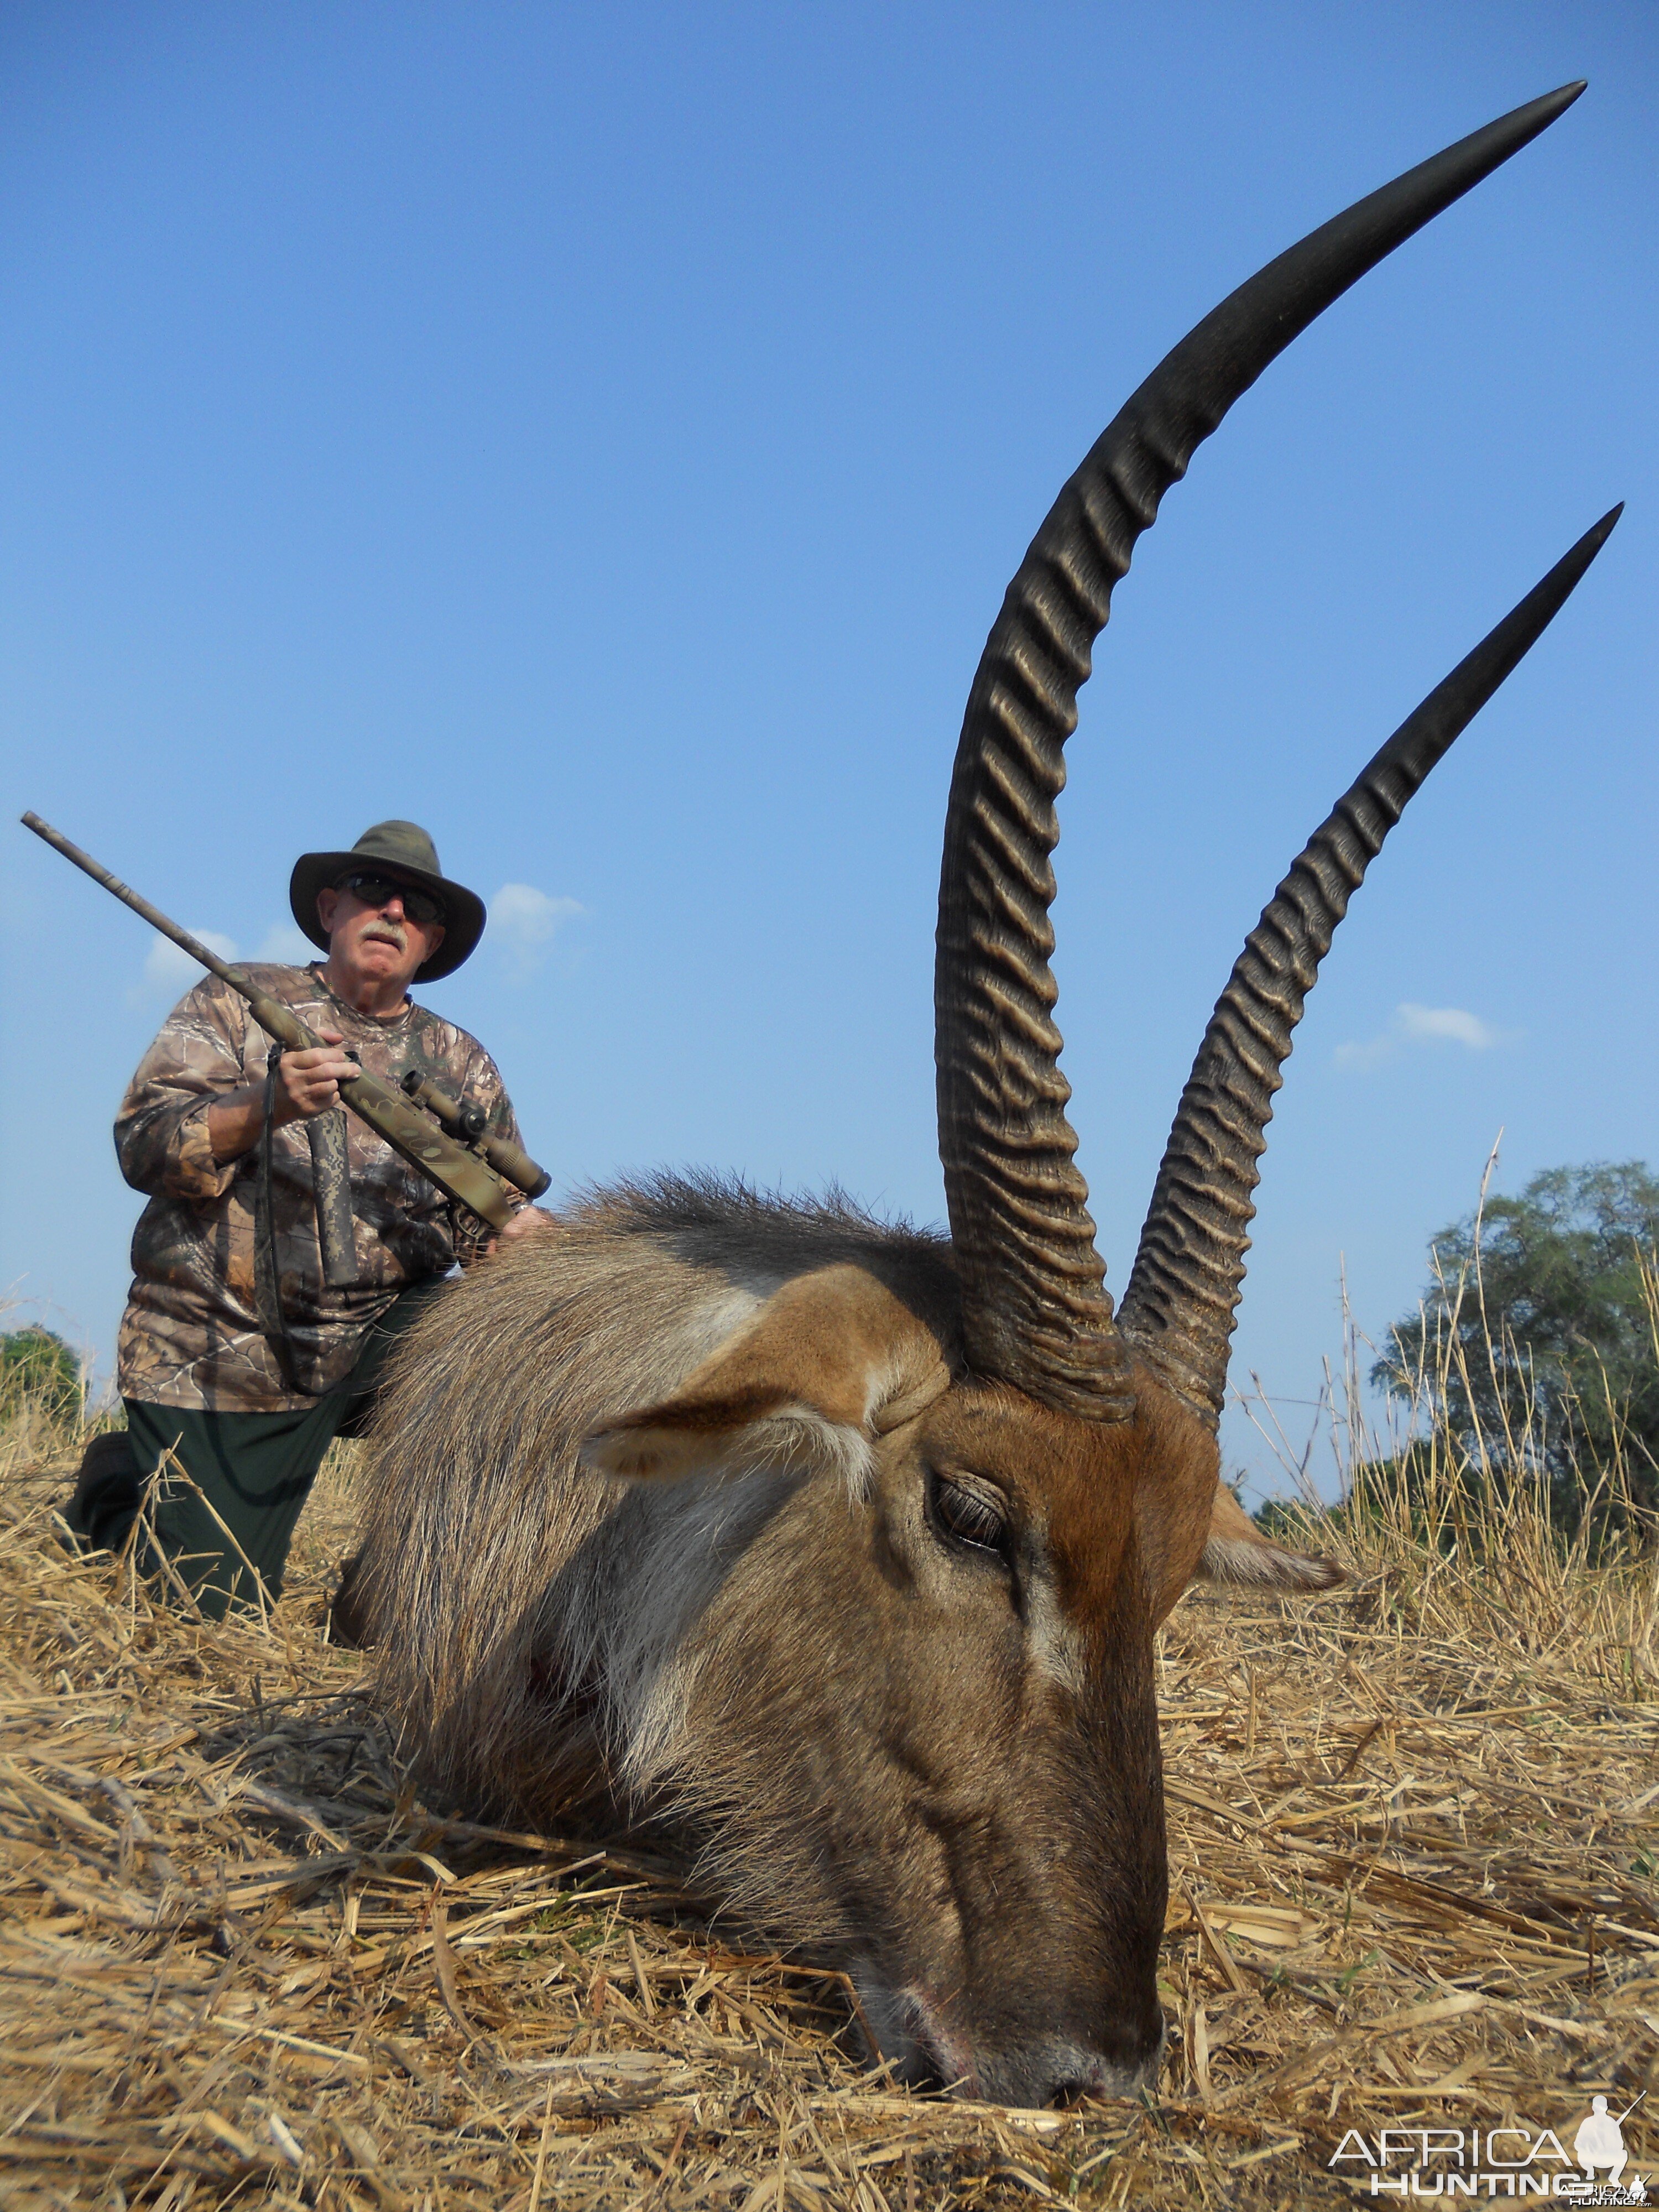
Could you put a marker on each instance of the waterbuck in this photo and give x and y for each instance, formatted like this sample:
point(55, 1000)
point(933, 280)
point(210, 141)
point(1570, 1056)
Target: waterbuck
point(845, 1544)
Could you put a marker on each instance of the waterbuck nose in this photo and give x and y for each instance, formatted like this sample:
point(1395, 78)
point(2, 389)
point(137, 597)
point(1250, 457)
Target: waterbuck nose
point(1120, 2062)
point(1118, 2056)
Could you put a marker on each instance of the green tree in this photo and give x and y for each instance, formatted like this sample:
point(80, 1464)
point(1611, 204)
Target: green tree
point(38, 1367)
point(1535, 1344)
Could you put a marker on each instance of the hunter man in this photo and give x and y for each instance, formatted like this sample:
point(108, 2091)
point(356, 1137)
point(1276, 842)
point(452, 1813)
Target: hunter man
point(234, 1355)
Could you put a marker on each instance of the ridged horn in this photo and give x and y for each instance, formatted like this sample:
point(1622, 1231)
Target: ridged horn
point(1184, 1291)
point(1035, 1312)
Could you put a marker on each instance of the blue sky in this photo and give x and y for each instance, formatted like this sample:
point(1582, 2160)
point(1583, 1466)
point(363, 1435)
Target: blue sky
point(604, 434)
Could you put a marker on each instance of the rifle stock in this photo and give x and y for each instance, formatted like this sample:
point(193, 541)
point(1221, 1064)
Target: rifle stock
point(458, 1173)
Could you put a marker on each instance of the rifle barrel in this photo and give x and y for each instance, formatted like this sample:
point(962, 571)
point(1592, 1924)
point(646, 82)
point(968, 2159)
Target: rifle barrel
point(127, 896)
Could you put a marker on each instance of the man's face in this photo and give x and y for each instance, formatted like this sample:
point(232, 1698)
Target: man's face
point(372, 936)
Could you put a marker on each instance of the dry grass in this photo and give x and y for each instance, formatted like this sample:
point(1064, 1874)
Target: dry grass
point(1414, 1837)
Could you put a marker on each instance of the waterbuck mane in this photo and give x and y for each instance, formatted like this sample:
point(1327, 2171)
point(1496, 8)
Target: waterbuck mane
point(725, 1215)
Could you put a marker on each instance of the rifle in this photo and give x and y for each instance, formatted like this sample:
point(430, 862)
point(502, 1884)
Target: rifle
point(476, 1174)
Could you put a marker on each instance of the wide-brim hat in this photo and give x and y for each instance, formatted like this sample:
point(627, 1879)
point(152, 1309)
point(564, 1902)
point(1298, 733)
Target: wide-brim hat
point(405, 851)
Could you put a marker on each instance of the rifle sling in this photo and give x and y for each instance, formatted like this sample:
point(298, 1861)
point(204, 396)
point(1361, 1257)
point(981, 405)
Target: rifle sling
point(267, 1271)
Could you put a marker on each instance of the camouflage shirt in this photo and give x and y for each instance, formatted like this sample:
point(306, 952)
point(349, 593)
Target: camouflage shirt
point(193, 1334)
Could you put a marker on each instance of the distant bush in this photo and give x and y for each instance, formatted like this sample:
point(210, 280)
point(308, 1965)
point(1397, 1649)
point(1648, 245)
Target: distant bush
point(37, 1369)
point(1533, 1360)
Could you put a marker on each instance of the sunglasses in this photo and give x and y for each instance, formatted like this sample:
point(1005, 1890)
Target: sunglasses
point(379, 890)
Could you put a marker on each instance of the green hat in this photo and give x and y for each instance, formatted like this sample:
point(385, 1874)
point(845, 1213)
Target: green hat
point(408, 854)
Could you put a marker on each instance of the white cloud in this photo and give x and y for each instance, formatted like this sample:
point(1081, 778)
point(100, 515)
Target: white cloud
point(1414, 1025)
point(168, 968)
point(286, 942)
point(1447, 1022)
point(527, 920)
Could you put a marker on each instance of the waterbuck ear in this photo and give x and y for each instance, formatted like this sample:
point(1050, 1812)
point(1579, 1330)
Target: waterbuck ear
point(830, 1361)
point(1238, 1553)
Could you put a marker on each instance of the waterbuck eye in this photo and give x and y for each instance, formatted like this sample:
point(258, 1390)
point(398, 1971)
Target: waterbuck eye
point(969, 1514)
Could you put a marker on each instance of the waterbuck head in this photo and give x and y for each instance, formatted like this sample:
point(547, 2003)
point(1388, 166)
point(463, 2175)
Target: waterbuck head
point(923, 1701)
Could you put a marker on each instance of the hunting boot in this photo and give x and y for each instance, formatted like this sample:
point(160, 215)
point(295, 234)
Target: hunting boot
point(105, 1501)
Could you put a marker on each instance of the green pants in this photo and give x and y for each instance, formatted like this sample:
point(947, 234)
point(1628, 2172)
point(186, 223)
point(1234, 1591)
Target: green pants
point(252, 1471)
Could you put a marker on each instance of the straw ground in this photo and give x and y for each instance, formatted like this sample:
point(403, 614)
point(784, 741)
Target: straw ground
point(1414, 1837)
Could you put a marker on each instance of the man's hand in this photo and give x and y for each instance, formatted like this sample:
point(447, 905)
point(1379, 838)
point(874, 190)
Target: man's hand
point(528, 1221)
point(307, 1082)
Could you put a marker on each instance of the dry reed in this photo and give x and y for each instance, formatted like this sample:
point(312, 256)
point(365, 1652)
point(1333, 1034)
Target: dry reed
point(1414, 1833)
